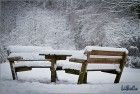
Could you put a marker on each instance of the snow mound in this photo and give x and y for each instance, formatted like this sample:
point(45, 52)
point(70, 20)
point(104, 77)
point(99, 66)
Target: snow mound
point(90, 48)
point(27, 49)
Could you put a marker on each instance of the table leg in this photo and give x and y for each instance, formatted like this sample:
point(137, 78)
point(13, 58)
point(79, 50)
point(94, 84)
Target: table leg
point(14, 74)
point(53, 70)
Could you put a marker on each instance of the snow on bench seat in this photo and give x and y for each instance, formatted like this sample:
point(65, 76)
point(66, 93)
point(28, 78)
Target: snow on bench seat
point(77, 66)
point(32, 64)
point(27, 52)
point(27, 49)
point(82, 56)
point(32, 52)
point(64, 52)
point(27, 56)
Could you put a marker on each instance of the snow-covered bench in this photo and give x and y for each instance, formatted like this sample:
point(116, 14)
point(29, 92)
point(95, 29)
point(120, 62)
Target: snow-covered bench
point(105, 59)
point(20, 58)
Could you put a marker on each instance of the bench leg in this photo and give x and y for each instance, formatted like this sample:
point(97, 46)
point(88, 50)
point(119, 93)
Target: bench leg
point(85, 78)
point(118, 76)
point(14, 74)
point(122, 64)
point(83, 75)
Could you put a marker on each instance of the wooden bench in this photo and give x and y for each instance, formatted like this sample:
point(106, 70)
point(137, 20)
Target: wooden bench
point(19, 54)
point(100, 55)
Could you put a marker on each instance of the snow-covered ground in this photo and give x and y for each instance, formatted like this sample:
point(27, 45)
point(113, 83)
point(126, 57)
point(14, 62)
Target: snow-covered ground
point(28, 24)
point(38, 81)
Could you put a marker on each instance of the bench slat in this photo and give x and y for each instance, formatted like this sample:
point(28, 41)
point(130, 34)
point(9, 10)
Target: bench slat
point(18, 58)
point(57, 57)
point(108, 53)
point(20, 69)
point(76, 72)
point(103, 56)
point(104, 60)
point(14, 58)
point(76, 60)
point(110, 71)
point(72, 71)
point(28, 68)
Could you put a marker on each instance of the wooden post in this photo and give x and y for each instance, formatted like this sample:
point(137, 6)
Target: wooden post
point(53, 70)
point(14, 74)
point(82, 73)
point(85, 78)
point(122, 64)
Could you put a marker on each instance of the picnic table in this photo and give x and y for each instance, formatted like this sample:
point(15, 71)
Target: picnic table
point(53, 56)
point(24, 58)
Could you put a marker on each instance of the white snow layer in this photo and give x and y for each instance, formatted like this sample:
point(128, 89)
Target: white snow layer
point(63, 52)
point(15, 87)
point(32, 63)
point(77, 66)
point(38, 81)
point(27, 49)
point(90, 48)
point(27, 56)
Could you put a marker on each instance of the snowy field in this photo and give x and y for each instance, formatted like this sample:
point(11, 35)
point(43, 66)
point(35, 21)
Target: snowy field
point(38, 81)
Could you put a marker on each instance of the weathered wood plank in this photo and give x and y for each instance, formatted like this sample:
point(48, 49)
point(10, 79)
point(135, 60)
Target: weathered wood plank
point(34, 66)
point(58, 67)
point(101, 70)
point(20, 69)
point(76, 60)
point(110, 71)
point(72, 71)
point(105, 56)
point(57, 57)
point(108, 53)
point(104, 60)
point(14, 58)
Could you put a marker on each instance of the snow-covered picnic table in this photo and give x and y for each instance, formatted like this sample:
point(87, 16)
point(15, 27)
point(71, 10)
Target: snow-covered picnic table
point(37, 54)
point(53, 56)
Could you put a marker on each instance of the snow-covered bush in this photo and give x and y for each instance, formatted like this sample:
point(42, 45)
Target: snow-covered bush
point(134, 61)
point(135, 41)
point(133, 45)
point(133, 51)
point(120, 31)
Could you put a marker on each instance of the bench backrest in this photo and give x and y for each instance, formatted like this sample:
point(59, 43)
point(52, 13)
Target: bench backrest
point(107, 56)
